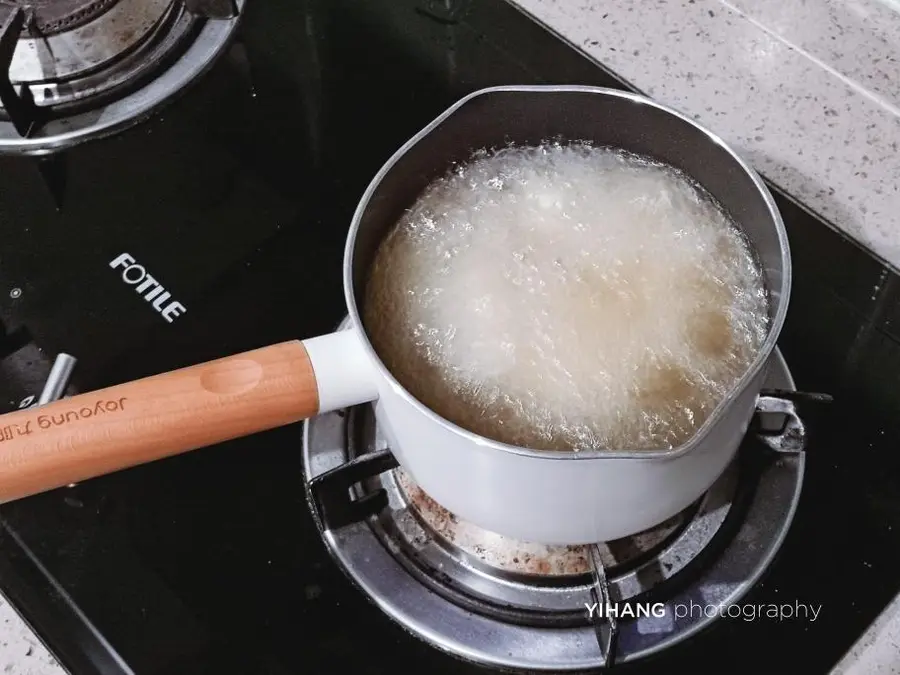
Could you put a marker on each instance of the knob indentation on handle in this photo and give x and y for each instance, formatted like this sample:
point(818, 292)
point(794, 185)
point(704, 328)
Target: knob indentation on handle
point(234, 377)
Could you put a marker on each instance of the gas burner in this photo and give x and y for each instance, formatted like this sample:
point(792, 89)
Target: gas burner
point(65, 39)
point(522, 606)
point(535, 583)
point(71, 70)
point(424, 521)
point(524, 581)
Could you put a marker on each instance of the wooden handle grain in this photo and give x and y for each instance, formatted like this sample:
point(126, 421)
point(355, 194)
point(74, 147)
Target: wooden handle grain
point(125, 425)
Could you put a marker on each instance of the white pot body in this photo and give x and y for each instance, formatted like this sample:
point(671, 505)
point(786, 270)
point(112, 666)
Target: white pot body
point(556, 500)
point(546, 497)
point(550, 497)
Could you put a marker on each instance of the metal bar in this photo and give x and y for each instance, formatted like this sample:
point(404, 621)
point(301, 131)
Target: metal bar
point(607, 631)
point(58, 379)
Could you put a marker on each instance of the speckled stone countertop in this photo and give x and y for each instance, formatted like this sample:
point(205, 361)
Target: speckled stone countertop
point(808, 91)
point(878, 652)
point(21, 653)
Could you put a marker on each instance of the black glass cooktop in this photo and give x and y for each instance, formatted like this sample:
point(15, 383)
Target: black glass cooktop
point(210, 562)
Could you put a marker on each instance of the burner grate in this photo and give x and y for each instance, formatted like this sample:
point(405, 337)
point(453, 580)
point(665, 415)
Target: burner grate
point(521, 620)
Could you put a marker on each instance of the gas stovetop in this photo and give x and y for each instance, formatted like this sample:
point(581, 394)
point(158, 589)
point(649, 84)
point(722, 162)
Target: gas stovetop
point(214, 561)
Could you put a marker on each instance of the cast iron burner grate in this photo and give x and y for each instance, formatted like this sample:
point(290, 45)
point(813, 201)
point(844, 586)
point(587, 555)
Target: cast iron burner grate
point(519, 606)
point(49, 17)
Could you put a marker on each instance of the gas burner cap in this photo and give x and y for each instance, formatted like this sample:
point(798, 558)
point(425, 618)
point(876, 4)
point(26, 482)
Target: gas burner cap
point(82, 69)
point(462, 590)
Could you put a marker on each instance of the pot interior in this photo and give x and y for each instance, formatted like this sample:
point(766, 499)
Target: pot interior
point(529, 115)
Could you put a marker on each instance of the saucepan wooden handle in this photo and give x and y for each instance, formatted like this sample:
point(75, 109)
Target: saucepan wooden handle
point(129, 424)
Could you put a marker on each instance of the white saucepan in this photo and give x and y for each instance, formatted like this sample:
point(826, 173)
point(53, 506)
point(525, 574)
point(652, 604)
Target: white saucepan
point(546, 497)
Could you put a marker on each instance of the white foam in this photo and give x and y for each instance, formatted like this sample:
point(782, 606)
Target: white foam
point(567, 297)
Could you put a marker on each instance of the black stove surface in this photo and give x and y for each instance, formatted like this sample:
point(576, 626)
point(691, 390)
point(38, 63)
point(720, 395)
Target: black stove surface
point(210, 562)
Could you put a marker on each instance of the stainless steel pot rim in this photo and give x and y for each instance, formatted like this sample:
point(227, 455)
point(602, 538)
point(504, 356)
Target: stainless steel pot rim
point(668, 453)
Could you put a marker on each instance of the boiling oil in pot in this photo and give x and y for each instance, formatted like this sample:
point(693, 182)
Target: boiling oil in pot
point(567, 297)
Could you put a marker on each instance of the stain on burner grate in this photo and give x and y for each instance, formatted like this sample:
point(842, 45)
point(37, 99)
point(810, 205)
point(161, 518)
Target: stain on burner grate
point(51, 17)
